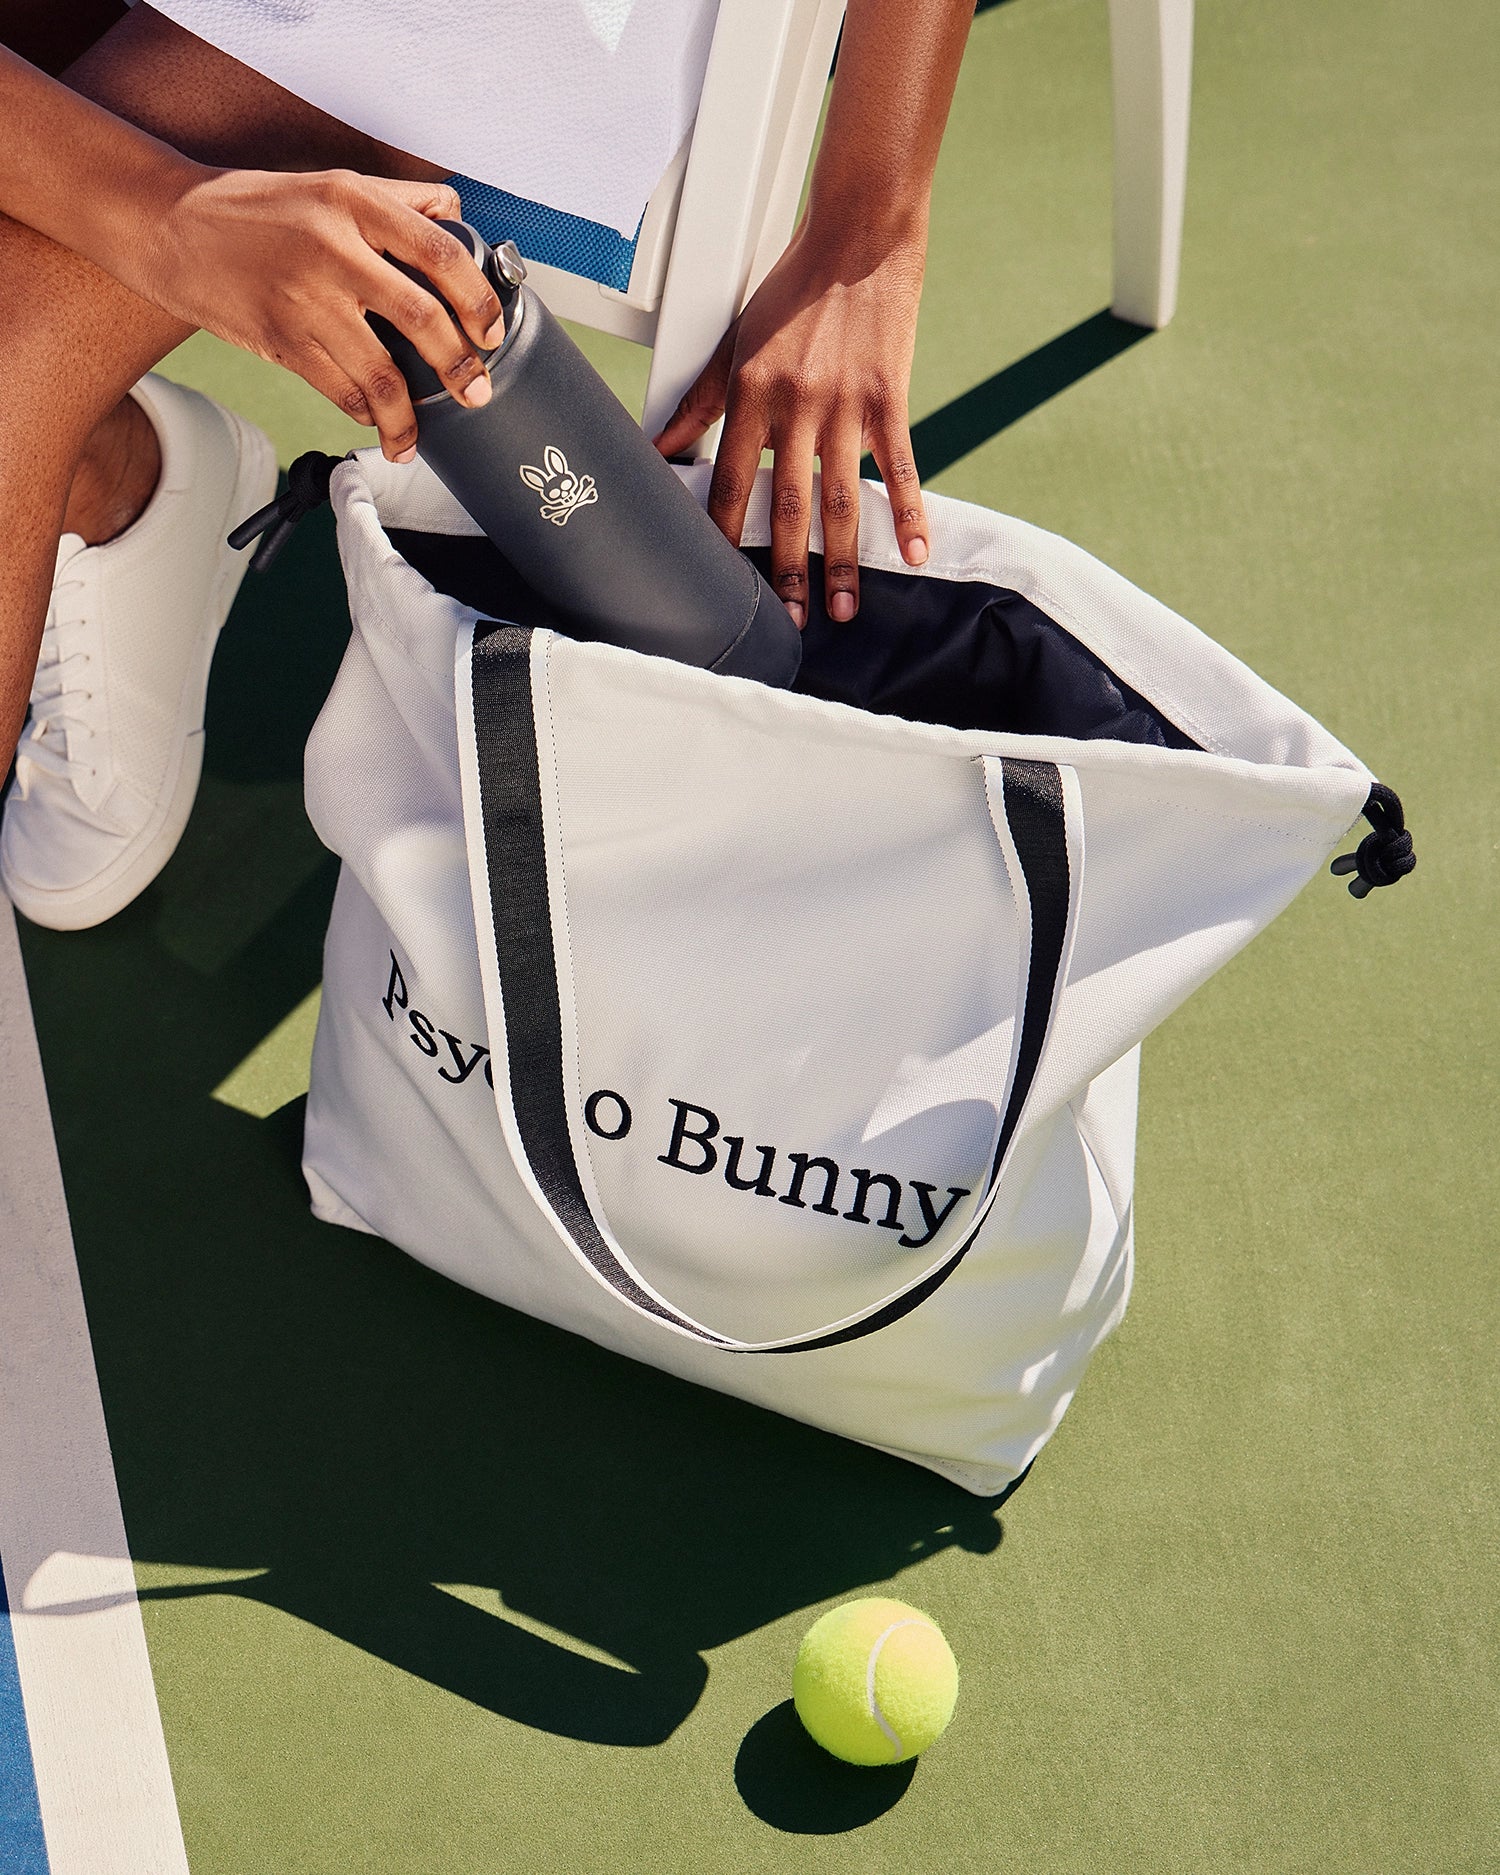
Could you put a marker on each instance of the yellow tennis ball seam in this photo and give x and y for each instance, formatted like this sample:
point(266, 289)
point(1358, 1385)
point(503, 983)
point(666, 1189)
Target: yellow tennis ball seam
point(906, 1621)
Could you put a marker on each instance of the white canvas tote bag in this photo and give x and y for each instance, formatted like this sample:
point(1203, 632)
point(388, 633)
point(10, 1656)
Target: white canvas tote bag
point(788, 1040)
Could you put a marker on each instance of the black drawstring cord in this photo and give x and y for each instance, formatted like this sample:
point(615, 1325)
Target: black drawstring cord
point(306, 489)
point(1384, 856)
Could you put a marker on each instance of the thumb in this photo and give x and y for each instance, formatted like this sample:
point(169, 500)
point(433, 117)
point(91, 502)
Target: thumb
point(702, 402)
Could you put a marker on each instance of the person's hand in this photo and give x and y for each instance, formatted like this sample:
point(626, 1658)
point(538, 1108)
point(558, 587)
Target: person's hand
point(818, 363)
point(287, 265)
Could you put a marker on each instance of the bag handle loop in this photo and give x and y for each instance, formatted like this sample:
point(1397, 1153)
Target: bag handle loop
point(1032, 806)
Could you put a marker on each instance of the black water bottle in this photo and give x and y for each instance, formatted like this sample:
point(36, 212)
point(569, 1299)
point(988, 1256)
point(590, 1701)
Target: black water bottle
point(573, 493)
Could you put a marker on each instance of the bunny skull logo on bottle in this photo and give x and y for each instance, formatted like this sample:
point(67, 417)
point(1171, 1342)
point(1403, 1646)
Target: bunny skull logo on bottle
point(560, 489)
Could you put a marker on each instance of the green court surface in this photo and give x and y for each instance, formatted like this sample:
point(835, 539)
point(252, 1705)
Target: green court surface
point(431, 1589)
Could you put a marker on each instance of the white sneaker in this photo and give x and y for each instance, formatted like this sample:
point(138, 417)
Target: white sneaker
point(107, 771)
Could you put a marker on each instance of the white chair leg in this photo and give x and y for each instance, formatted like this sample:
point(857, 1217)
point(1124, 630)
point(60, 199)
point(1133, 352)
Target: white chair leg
point(1151, 53)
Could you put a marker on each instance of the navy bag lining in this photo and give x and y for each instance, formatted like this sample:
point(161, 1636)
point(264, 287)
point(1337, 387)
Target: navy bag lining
point(960, 653)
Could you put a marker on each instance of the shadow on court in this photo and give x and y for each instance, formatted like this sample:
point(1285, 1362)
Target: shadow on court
point(306, 1401)
point(794, 1785)
point(960, 426)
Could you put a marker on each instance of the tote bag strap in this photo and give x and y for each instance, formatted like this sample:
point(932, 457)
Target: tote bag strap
point(1033, 806)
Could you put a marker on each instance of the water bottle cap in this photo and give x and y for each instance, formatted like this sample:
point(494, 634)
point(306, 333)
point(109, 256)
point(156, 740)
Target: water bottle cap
point(501, 266)
point(507, 262)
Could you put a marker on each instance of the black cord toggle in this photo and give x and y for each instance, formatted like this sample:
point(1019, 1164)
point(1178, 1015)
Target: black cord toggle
point(306, 489)
point(1385, 856)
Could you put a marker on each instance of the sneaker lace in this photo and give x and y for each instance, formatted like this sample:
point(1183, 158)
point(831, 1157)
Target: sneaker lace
point(60, 697)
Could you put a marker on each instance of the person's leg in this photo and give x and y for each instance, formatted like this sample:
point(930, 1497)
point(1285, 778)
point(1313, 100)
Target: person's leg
point(73, 341)
point(36, 473)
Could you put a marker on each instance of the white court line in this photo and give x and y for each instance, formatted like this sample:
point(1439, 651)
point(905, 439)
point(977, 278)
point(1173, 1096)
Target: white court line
point(96, 1740)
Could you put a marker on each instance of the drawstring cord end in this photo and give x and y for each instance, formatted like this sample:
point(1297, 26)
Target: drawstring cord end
point(306, 489)
point(1385, 856)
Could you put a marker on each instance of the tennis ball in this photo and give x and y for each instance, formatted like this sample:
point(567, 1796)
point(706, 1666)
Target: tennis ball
point(875, 1682)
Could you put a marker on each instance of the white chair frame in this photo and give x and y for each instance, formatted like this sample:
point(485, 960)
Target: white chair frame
point(726, 207)
point(1151, 62)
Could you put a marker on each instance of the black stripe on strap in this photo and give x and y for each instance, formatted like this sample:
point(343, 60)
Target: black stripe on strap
point(510, 800)
point(1038, 824)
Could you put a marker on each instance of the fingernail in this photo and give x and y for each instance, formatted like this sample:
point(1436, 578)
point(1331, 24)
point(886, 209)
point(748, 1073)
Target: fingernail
point(794, 606)
point(476, 392)
point(407, 455)
point(916, 551)
point(496, 334)
point(841, 607)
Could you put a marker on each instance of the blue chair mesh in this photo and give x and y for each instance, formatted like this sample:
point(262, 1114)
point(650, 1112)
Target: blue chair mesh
point(586, 248)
